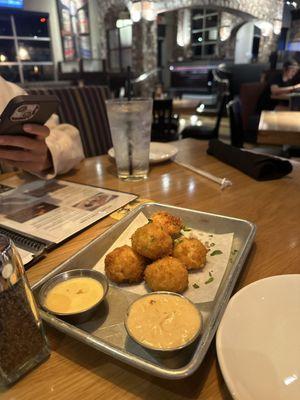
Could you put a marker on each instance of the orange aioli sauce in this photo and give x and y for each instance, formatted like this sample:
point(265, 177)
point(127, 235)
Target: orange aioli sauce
point(74, 295)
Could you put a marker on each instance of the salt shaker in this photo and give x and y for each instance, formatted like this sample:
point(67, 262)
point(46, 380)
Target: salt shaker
point(23, 344)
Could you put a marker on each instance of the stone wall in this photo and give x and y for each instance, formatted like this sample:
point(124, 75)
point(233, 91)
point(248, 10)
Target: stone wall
point(103, 7)
point(260, 9)
point(144, 34)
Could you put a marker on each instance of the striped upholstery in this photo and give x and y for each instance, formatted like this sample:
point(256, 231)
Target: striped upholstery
point(84, 107)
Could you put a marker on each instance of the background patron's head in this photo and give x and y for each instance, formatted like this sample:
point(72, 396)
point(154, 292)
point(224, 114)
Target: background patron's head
point(290, 69)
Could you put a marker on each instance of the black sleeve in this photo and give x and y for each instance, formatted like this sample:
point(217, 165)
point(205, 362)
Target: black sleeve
point(296, 79)
point(276, 80)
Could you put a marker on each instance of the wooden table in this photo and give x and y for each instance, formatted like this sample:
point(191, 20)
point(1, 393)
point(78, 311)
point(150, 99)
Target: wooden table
point(76, 371)
point(185, 106)
point(279, 127)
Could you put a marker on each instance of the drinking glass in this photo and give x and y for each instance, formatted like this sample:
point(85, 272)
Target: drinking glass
point(130, 125)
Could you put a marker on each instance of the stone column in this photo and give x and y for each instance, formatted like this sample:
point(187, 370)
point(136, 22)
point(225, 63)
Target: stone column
point(267, 45)
point(229, 24)
point(144, 54)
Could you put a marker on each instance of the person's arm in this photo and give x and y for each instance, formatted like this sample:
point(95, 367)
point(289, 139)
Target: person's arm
point(53, 149)
point(64, 146)
point(278, 90)
point(28, 153)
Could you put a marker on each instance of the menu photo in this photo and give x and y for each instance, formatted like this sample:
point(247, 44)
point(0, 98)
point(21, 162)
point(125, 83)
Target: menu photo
point(51, 211)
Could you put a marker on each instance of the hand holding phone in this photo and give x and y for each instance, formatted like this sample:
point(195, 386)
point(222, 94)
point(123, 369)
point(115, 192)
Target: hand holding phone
point(28, 153)
point(20, 110)
point(23, 135)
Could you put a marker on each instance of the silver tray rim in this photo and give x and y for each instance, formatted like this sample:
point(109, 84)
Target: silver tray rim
point(207, 335)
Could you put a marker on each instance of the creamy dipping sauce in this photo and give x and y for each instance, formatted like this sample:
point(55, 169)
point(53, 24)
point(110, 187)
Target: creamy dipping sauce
point(74, 295)
point(163, 321)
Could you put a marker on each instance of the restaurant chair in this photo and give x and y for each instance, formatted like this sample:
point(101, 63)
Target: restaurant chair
point(206, 132)
point(165, 124)
point(239, 137)
point(294, 151)
point(235, 123)
point(295, 101)
point(239, 74)
point(83, 71)
point(249, 96)
point(84, 107)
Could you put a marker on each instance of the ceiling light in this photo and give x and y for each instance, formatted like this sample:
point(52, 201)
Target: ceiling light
point(23, 54)
point(143, 9)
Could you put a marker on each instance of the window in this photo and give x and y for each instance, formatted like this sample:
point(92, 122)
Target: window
point(7, 50)
point(205, 38)
point(75, 29)
point(5, 26)
point(25, 47)
point(119, 43)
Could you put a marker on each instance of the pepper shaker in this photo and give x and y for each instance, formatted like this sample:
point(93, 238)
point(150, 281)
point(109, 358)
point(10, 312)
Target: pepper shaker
point(23, 344)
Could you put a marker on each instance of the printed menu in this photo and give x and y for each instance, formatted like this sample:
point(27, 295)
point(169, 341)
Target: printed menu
point(41, 214)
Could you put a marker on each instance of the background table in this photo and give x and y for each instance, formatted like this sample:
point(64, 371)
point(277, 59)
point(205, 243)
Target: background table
point(185, 106)
point(76, 371)
point(279, 127)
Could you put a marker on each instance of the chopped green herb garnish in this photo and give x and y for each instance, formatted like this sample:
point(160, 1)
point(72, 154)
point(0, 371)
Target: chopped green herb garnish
point(210, 235)
point(150, 220)
point(216, 252)
point(177, 241)
point(196, 286)
point(235, 251)
point(209, 280)
point(212, 244)
point(186, 229)
point(210, 274)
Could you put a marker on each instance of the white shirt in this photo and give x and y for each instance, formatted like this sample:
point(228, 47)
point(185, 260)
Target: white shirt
point(63, 142)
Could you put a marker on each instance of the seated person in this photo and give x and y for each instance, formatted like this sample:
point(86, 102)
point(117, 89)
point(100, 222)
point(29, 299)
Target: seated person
point(281, 85)
point(56, 148)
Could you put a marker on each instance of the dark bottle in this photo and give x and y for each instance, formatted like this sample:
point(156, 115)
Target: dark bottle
point(23, 343)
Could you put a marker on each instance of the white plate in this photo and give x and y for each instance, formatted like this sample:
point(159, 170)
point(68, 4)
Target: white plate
point(159, 152)
point(258, 340)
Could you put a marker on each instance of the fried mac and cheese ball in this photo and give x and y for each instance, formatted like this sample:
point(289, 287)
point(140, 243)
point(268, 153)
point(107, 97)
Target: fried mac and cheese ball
point(152, 241)
point(191, 252)
point(170, 223)
point(123, 264)
point(168, 273)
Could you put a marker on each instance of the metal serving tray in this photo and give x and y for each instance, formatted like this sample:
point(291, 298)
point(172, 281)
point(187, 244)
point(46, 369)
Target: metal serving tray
point(106, 331)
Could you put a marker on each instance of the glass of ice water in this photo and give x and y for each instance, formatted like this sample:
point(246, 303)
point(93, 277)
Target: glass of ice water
point(130, 125)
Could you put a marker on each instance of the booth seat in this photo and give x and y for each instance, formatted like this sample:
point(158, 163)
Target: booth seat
point(83, 107)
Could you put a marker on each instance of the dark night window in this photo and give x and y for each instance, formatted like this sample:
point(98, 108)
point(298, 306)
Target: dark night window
point(34, 25)
point(25, 47)
point(205, 27)
point(7, 50)
point(5, 25)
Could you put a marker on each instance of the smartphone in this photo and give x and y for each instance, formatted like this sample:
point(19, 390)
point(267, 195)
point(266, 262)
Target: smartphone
point(35, 109)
